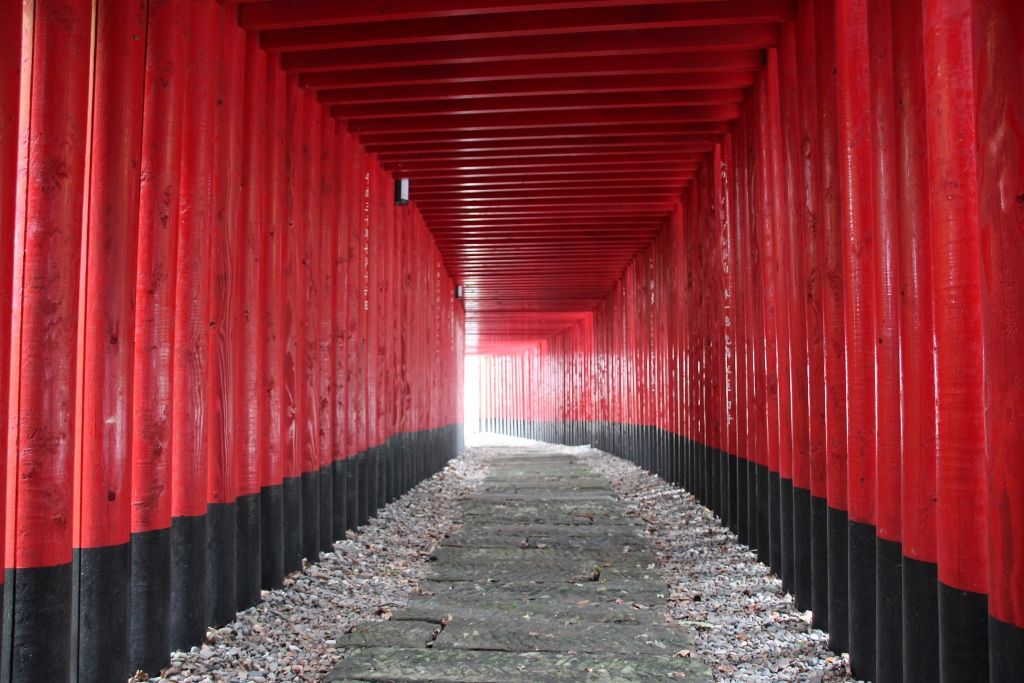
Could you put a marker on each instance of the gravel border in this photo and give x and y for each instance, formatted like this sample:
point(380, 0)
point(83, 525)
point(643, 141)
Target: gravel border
point(745, 627)
point(291, 635)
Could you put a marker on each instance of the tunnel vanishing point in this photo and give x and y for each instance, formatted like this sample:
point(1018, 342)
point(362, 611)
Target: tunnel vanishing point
point(772, 250)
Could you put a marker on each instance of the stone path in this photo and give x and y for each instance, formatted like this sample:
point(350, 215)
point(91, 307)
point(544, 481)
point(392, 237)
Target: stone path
point(548, 580)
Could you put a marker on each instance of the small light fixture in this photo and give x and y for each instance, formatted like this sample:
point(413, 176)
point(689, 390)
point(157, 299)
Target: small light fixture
point(401, 191)
point(458, 291)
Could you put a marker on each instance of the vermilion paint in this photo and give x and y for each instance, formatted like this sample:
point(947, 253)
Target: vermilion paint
point(998, 41)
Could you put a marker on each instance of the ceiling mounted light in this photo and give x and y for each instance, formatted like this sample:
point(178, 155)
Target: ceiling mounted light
point(401, 191)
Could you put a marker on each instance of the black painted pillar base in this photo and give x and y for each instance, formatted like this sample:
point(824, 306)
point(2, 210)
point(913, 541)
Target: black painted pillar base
point(838, 582)
point(889, 611)
point(802, 548)
point(292, 524)
point(774, 524)
point(37, 637)
point(221, 555)
point(764, 540)
point(188, 582)
point(819, 563)
point(1006, 651)
point(100, 620)
point(861, 558)
point(310, 548)
point(742, 502)
point(352, 493)
point(271, 536)
point(963, 635)
point(339, 491)
point(788, 561)
point(249, 561)
point(326, 497)
point(371, 467)
point(920, 621)
point(732, 483)
point(149, 638)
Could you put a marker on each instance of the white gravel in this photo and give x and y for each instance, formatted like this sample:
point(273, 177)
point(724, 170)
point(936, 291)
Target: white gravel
point(290, 636)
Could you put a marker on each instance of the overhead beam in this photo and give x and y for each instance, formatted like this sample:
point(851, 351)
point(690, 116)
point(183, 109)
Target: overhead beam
point(681, 141)
point(571, 85)
point(526, 24)
point(551, 66)
point(576, 103)
point(547, 120)
point(702, 39)
point(620, 128)
point(289, 13)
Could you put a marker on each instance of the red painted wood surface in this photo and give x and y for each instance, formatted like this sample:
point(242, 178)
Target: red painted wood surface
point(107, 288)
point(50, 182)
point(156, 263)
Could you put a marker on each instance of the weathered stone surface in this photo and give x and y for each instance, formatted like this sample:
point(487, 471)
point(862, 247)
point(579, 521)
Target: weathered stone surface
point(489, 607)
point(548, 580)
point(547, 635)
point(482, 666)
point(391, 634)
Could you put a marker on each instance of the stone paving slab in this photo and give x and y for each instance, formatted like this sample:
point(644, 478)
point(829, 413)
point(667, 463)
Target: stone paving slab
point(634, 592)
point(496, 537)
point(548, 580)
point(547, 635)
point(515, 607)
point(391, 634)
point(485, 666)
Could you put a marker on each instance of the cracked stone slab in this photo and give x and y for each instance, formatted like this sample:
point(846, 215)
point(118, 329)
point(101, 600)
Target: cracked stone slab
point(546, 635)
point(391, 634)
point(499, 605)
point(535, 556)
point(474, 666)
point(608, 590)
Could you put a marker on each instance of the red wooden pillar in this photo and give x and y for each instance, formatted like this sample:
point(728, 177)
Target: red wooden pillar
point(339, 326)
point(796, 236)
point(324, 257)
point(189, 410)
point(291, 320)
point(250, 310)
point(166, 81)
point(834, 331)
point(373, 231)
point(780, 192)
point(364, 316)
point(769, 536)
point(385, 226)
point(812, 288)
point(10, 84)
point(956, 289)
point(857, 206)
point(272, 297)
point(102, 520)
point(308, 383)
point(41, 427)
point(354, 338)
point(999, 79)
point(919, 585)
point(741, 346)
point(888, 552)
point(760, 390)
point(725, 195)
point(224, 341)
